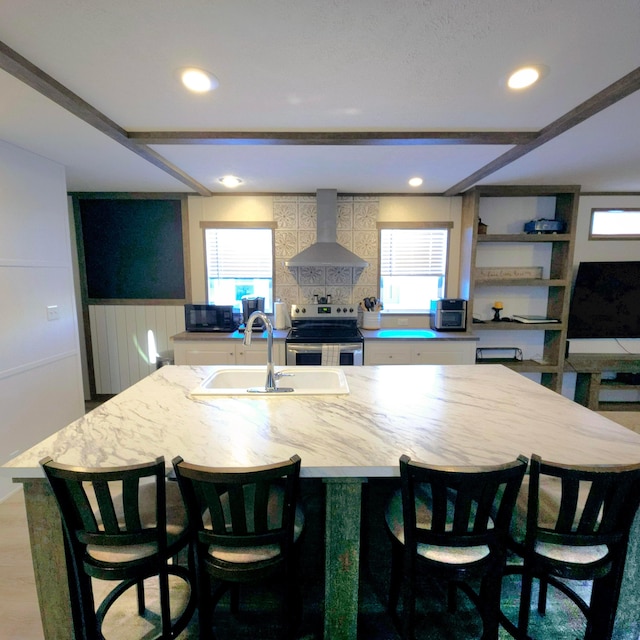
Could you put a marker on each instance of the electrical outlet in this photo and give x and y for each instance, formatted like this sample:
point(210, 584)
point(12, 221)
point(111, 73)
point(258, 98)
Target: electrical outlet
point(53, 313)
point(403, 322)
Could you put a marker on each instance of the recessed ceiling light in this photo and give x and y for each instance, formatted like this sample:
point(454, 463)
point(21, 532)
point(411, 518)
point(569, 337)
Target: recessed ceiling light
point(198, 80)
point(230, 181)
point(526, 76)
point(415, 182)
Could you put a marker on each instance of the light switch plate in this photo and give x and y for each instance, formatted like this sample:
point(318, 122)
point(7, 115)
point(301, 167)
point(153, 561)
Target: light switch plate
point(53, 313)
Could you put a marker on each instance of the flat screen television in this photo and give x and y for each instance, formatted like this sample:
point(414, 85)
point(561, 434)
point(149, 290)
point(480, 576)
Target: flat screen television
point(605, 301)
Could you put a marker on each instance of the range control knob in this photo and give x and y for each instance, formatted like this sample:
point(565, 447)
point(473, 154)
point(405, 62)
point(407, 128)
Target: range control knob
point(345, 309)
point(304, 310)
point(351, 310)
point(338, 310)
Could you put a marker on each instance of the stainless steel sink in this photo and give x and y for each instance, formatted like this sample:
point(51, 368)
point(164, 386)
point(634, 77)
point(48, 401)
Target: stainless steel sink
point(250, 381)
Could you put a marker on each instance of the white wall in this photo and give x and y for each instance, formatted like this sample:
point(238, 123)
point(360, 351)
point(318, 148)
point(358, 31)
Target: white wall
point(40, 373)
point(119, 341)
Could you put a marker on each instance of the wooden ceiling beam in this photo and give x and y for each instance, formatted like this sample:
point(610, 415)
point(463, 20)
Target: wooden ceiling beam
point(337, 138)
point(19, 67)
point(610, 95)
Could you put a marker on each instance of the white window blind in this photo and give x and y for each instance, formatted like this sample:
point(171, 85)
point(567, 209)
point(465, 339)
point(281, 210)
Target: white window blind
point(413, 252)
point(239, 253)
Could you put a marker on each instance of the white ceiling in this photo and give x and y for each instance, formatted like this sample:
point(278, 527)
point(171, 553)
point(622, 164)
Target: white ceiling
point(331, 67)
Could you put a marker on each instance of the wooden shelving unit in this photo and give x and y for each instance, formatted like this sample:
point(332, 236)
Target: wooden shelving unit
point(589, 368)
point(551, 365)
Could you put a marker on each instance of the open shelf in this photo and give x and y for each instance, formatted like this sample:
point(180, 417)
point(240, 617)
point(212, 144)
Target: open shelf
point(525, 237)
point(525, 366)
point(517, 326)
point(521, 282)
point(558, 202)
point(589, 383)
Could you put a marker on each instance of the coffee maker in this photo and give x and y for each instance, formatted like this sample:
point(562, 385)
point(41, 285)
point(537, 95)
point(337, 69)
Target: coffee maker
point(249, 305)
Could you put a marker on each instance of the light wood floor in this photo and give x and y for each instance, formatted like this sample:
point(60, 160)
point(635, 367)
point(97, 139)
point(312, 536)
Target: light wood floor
point(19, 612)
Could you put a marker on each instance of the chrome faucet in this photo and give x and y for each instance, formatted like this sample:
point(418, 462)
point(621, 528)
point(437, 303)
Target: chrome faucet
point(272, 377)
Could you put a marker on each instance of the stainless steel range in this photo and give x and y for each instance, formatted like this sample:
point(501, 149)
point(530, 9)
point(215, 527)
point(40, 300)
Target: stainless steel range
point(324, 334)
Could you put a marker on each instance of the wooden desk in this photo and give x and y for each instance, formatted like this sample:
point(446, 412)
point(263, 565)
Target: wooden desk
point(589, 368)
point(459, 414)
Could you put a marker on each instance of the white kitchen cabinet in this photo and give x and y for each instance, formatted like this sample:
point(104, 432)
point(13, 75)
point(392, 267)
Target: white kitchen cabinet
point(444, 352)
point(386, 352)
point(419, 352)
point(212, 352)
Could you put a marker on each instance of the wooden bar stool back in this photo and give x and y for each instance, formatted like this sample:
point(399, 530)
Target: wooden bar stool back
point(123, 524)
point(575, 527)
point(246, 523)
point(452, 523)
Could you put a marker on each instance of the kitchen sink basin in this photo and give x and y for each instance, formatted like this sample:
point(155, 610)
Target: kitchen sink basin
point(250, 381)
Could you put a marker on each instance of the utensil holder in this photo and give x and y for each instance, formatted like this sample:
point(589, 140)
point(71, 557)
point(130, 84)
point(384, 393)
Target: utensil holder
point(370, 319)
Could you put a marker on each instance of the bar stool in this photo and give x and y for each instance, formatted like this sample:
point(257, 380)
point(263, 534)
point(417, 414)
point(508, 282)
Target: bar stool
point(453, 523)
point(573, 524)
point(122, 524)
point(245, 523)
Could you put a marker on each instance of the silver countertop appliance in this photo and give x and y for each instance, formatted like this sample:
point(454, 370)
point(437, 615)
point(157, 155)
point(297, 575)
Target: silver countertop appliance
point(449, 314)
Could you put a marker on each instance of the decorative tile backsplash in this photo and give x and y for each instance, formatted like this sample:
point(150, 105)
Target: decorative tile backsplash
point(296, 217)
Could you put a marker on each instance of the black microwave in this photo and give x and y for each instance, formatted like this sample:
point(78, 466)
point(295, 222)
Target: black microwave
point(209, 317)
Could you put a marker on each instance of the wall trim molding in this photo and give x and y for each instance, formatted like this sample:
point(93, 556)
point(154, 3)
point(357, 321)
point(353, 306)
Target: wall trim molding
point(37, 364)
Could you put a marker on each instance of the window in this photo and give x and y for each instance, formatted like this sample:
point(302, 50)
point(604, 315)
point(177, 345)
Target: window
point(239, 262)
point(413, 265)
point(614, 224)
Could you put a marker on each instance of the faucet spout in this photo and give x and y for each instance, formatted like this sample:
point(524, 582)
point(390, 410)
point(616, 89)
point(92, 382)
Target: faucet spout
point(270, 383)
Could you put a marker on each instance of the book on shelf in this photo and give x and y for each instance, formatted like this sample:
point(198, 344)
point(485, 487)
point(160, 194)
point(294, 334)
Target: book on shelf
point(533, 319)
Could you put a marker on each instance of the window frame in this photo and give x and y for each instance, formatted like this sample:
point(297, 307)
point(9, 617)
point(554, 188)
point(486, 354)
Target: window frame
point(600, 236)
point(244, 224)
point(423, 225)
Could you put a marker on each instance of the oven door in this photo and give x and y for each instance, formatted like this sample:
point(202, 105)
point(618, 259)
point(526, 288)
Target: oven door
point(343, 353)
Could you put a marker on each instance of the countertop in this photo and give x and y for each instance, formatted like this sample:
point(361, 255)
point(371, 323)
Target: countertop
point(460, 414)
point(278, 334)
point(368, 334)
point(399, 333)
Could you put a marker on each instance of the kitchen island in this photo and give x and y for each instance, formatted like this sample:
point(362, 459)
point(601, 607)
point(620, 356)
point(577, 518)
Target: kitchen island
point(438, 414)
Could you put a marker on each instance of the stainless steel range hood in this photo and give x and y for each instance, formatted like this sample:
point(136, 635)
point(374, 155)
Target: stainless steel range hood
point(326, 252)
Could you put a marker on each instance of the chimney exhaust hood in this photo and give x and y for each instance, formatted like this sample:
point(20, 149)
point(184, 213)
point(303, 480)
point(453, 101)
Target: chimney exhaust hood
point(326, 252)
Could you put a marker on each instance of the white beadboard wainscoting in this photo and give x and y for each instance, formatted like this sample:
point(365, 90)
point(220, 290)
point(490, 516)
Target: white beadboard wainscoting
point(119, 341)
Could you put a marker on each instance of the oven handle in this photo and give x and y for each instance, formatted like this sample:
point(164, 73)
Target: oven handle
point(317, 347)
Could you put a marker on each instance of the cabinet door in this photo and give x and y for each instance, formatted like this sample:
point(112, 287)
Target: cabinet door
point(386, 352)
point(205, 353)
point(442, 352)
point(255, 353)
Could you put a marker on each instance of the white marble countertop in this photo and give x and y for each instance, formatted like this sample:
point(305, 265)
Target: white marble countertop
point(460, 414)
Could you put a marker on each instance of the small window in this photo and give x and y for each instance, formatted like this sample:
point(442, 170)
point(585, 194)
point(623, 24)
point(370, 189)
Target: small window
point(615, 224)
point(413, 266)
point(239, 262)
